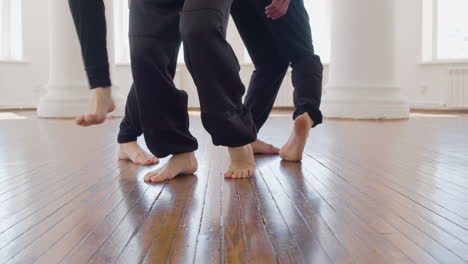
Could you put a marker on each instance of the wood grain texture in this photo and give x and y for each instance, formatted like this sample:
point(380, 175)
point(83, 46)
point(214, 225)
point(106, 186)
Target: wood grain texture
point(365, 192)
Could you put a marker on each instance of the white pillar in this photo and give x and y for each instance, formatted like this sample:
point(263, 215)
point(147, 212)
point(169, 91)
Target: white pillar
point(119, 98)
point(362, 82)
point(68, 89)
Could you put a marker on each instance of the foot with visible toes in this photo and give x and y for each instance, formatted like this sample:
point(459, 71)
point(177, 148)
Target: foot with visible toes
point(133, 152)
point(293, 149)
point(242, 163)
point(181, 164)
point(261, 147)
point(102, 104)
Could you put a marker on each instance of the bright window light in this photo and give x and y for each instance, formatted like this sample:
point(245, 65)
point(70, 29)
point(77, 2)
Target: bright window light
point(121, 22)
point(319, 15)
point(121, 25)
point(11, 46)
point(445, 31)
point(452, 35)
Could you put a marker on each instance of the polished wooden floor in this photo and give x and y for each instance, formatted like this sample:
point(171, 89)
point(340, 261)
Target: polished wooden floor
point(366, 192)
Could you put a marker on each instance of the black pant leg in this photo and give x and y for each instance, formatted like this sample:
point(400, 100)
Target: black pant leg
point(270, 66)
point(130, 127)
point(90, 24)
point(215, 70)
point(154, 45)
point(307, 73)
point(307, 76)
point(293, 39)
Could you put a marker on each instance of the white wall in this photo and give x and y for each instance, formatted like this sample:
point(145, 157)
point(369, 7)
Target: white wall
point(21, 82)
point(424, 85)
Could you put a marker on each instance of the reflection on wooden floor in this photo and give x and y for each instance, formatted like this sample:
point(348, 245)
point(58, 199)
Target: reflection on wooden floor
point(366, 192)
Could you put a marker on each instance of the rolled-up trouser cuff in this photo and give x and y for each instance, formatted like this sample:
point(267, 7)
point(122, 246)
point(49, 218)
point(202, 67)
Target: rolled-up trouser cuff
point(99, 77)
point(122, 139)
point(162, 145)
point(315, 115)
point(186, 149)
point(230, 129)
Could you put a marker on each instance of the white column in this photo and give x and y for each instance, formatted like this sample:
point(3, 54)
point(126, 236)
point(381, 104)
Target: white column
point(362, 82)
point(119, 98)
point(68, 91)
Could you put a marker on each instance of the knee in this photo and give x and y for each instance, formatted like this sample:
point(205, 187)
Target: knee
point(140, 50)
point(199, 25)
point(307, 62)
point(271, 70)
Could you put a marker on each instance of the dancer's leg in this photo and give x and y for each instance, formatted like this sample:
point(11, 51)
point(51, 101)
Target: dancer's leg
point(306, 78)
point(293, 39)
point(215, 70)
point(130, 130)
point(90, 23)
point(154, 45)
point(270, 67)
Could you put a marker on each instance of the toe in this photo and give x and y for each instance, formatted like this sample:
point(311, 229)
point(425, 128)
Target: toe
point(232, 174)
point(154, 160)
point(149, 176)
point(229, 174)
point(86, 120)
point(93, 119)
point(145, 161)
point(80, 120)
point(245, 173)
point(274, 149)
point(141, 159)
point(158, 178)
point(151, 159)
point(90, 119)
point(251, 172)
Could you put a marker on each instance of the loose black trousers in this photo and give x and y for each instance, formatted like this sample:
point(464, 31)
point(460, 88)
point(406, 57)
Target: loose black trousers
point(274, 45)
point(157, 28)
point(90, 24)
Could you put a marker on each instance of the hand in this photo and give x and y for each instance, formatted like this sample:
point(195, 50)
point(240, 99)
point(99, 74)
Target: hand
point(277, 9)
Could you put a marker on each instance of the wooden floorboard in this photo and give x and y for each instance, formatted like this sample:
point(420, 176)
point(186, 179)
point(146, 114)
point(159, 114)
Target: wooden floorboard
point(366, 192)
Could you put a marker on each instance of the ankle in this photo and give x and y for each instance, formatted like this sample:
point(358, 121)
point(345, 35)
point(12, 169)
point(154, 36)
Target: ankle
point(241, 148)
point(189, 158)
point(189, 155)
point(305, 119)
point(104, 91)
point(128, 145)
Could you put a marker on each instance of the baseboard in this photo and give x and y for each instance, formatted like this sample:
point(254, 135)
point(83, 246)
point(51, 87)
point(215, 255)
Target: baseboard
point(426, 108)
point(435, 107)
point(426, 105)
point(18, 107)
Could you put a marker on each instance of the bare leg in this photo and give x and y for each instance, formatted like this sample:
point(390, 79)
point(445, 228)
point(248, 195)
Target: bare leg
point(102, 104)
point(181, 164)
point(293, 149)
point(133, 152)
point(242, 163)
point(261, 147)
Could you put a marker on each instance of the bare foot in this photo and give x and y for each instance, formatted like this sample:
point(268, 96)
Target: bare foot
point(261, 147)
point(242, 163)
point(182, 164)
point(102, 104)
point(133, 152)
point(293, 149)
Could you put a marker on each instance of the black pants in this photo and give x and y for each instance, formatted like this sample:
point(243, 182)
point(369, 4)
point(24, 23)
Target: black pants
point(274, 45)
point(157, 28)
point(90, 24)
